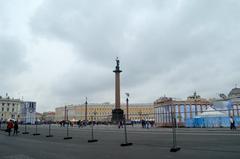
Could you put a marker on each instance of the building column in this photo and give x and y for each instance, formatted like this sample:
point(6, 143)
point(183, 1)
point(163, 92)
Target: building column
point(185, 112)
point(238, 110)
point(179, 113)
point(190, 111)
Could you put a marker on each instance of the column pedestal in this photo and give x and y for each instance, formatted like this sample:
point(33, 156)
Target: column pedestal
point(117, 115)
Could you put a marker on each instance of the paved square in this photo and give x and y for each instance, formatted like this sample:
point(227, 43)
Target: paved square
point(147, 143)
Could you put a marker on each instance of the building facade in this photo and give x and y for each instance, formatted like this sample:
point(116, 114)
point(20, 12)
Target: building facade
point(48, 116)
point(165, 109)
point(103, 112)
point(230, 104)
point(10, 108)
point(28, 112)
point(39, 116)
point(23, 111)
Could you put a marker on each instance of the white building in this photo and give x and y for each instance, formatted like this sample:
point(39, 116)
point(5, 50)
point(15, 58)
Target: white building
point(10, 108)
point(23, 111)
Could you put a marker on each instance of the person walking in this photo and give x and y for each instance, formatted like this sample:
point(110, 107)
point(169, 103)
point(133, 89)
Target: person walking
point(15, 128)
point(147, 124)
point(232, 123)
point(9, 127)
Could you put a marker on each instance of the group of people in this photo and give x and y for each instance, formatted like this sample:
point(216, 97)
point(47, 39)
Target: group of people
point(147, 124)
point(82, 123)
point(64, 122)
point(12, 125)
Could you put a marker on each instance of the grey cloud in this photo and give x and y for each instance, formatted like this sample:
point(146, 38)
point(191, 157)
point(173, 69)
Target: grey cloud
point(152, 39)
point(12, 56)
point(12, 64)
point(81, 85)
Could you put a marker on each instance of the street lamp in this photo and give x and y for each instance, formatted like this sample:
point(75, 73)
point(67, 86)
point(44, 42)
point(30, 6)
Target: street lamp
point(127, 94)
point(65, 111)
point(86, 103)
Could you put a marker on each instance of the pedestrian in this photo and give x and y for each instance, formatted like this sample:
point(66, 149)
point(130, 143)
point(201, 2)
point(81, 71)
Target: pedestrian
point(9, 127)
point(78, 123)
point(15, 128)
point(147, 124)
point(232, 123)
point(142, 121)
point(119, 125)
point(151, 123)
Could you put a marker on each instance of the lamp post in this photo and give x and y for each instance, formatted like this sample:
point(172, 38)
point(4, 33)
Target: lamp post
point(65, 111)
point(86, 103)
point(127, 100)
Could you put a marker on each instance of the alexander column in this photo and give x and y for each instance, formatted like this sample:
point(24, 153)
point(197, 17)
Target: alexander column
point(117, 113)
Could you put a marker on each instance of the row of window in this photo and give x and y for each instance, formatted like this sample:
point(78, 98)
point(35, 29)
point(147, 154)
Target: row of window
point(8, 104)
point(11, 115)
point(8, 109)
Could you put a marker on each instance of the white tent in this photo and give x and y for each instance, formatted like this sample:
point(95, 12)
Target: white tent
point(73, 120)
point(210, 112)
point(11, 119)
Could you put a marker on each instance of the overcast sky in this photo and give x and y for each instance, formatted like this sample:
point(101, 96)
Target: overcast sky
point(57, 52)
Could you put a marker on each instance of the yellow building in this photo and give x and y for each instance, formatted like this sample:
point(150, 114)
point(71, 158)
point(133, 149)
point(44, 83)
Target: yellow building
point(103, 112)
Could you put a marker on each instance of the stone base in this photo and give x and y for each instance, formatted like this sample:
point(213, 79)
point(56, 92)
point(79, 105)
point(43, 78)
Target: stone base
point(93, 140)
point(127, 144)
point(117, 115)
point(175, 149)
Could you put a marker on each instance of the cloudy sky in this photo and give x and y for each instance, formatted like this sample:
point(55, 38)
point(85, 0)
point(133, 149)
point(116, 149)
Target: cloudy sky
point(57, 52)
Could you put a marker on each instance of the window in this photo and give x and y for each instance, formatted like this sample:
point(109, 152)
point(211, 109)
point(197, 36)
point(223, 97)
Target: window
point(13, 104)
point(3, 104)
point(12, 109)
point(2, 109)
point(7, 109)
point(8, 104)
